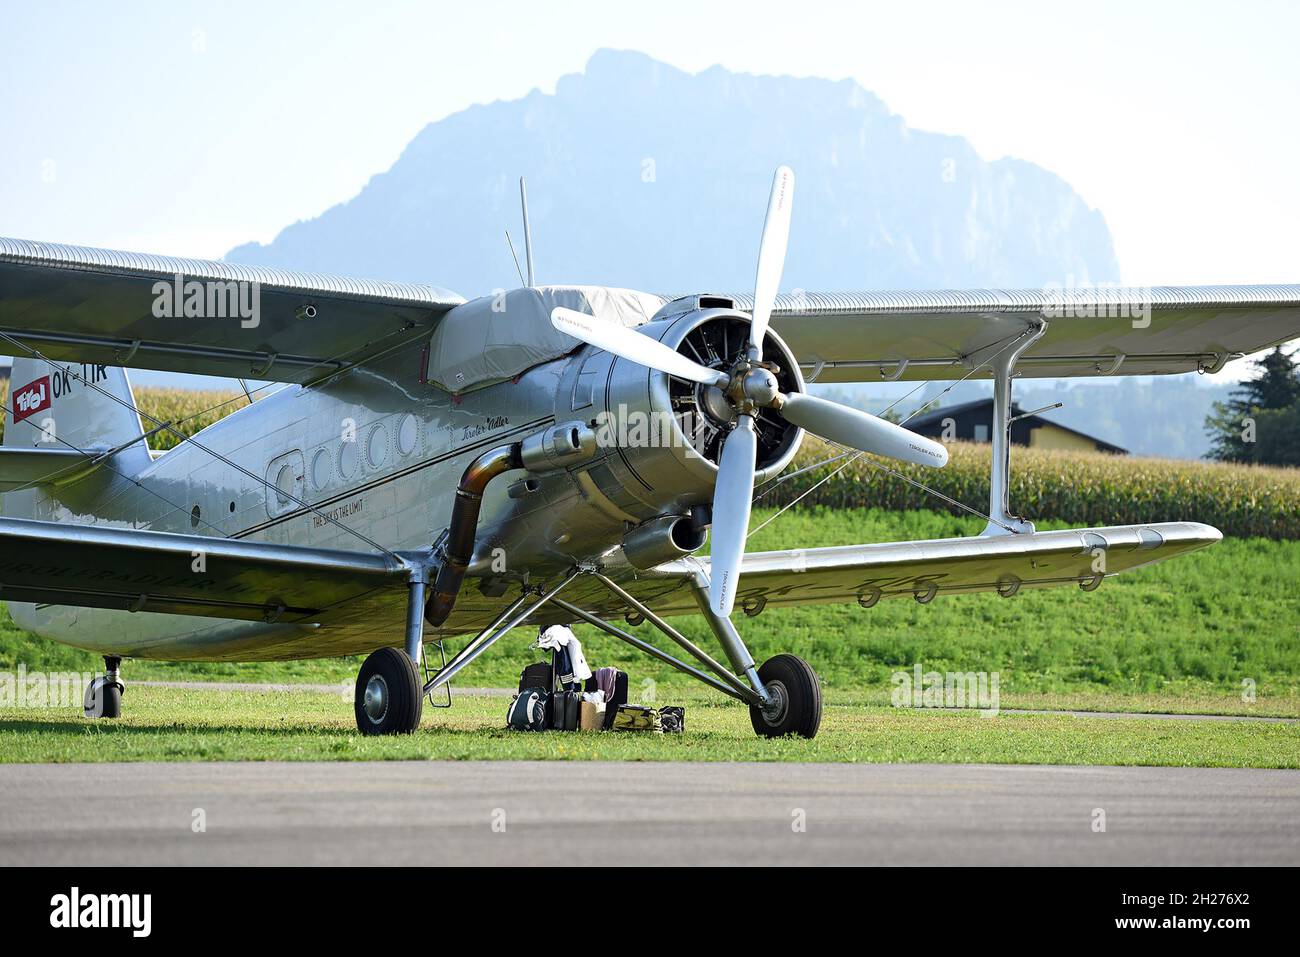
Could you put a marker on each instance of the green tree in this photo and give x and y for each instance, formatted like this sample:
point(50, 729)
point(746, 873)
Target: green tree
point(1260, 422)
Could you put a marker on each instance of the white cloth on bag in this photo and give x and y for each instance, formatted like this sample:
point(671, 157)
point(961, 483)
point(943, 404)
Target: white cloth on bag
point(559, 636)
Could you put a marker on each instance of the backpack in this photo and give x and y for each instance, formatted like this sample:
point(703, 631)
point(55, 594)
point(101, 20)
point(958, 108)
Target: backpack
point(673, 718)
point(528, 710)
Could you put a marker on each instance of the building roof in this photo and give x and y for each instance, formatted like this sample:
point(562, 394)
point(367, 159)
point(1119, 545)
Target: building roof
point(935, 418)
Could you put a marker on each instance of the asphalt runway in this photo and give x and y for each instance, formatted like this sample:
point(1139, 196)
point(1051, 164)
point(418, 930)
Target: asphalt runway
point(386, 813)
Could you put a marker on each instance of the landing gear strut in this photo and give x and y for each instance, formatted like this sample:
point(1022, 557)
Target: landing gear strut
point(389, 697)
point(783, 695)
point(104, 694)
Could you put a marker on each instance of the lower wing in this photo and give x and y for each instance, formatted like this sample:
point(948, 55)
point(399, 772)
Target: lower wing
point(867, 573)
point(127, 569)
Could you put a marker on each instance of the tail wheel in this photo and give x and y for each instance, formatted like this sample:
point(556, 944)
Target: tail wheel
point(112, 701)
point(103, 698)
point(796, 699)
point(389, 695)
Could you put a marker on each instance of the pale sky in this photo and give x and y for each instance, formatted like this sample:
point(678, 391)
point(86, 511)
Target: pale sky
point(188, 128)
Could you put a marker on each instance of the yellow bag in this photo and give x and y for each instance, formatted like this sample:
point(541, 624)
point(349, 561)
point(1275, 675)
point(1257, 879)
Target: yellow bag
point(634, 717)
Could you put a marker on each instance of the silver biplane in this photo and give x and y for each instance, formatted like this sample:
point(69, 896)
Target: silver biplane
point(442, 468)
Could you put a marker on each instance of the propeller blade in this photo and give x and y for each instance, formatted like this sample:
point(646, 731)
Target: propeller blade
point(631, 345)
point(731, 501)
point(771, 253)
point(861, 430)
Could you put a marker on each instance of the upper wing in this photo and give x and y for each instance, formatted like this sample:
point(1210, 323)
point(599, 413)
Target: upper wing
point(864, 336)
point(98, 567)
point(867, 573)
point(129, 309)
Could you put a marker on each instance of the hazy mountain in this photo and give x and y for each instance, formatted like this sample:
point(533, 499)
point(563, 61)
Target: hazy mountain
point(642, 175)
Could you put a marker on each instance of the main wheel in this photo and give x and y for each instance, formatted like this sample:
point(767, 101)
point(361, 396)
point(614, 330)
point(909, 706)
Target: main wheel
point(796, 699)
point(389, 697)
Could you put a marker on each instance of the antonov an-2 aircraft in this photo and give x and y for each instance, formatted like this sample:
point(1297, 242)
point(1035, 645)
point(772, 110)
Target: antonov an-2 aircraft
point(442, 468)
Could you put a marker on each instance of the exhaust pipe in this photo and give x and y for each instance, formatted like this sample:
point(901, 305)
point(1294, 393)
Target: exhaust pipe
point(663, 539)
point(458, 549)
point(555, 448)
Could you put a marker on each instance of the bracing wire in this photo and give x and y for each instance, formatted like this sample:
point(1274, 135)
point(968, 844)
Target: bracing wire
point(852, 455)
point(170, 427)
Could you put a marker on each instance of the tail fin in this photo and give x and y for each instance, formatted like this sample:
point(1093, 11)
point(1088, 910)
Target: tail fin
point(66, 406)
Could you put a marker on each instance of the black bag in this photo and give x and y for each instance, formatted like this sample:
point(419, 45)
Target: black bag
point(540, 674)
point(673, 718)
point(528, 710)
point(619, 697)
point(566, 708)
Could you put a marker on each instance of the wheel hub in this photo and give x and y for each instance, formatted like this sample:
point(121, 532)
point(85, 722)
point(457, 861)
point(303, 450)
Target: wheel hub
point(778, 702)
point(375, 700)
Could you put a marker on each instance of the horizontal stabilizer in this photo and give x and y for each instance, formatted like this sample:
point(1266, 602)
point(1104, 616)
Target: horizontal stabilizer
point(26, 468)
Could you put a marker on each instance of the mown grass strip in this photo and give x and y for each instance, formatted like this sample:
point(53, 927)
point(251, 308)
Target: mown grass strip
point(162, 724)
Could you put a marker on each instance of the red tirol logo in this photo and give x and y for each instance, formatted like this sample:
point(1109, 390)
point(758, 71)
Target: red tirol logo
point(32, 398)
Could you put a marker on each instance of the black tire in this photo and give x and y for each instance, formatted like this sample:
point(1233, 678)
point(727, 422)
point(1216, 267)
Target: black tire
point(102, 700)
point(112, 701)
point(400, 703)
point(796, 687)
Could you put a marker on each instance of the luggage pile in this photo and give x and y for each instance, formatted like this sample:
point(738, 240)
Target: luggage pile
point(564, 694)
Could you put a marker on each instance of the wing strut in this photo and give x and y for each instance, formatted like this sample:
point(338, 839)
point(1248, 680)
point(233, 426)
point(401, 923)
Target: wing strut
point(1001, 521)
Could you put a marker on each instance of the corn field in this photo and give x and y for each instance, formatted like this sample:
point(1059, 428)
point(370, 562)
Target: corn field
point(1082, 488)
point(189, 410)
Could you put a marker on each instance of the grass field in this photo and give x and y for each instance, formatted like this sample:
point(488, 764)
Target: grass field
point(1177, 637)
point(164, 724)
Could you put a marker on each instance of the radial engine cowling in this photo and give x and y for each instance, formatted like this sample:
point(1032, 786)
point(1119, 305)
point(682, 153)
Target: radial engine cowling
point(661, 437)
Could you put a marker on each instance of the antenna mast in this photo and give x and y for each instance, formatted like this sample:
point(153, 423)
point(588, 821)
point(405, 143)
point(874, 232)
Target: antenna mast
point(528, 234)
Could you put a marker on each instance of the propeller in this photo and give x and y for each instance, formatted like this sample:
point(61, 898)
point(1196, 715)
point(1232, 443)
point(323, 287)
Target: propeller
point(733, 494)
point(771, 257)
point(861, 430)
point(750, 387)
point(631, 345)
